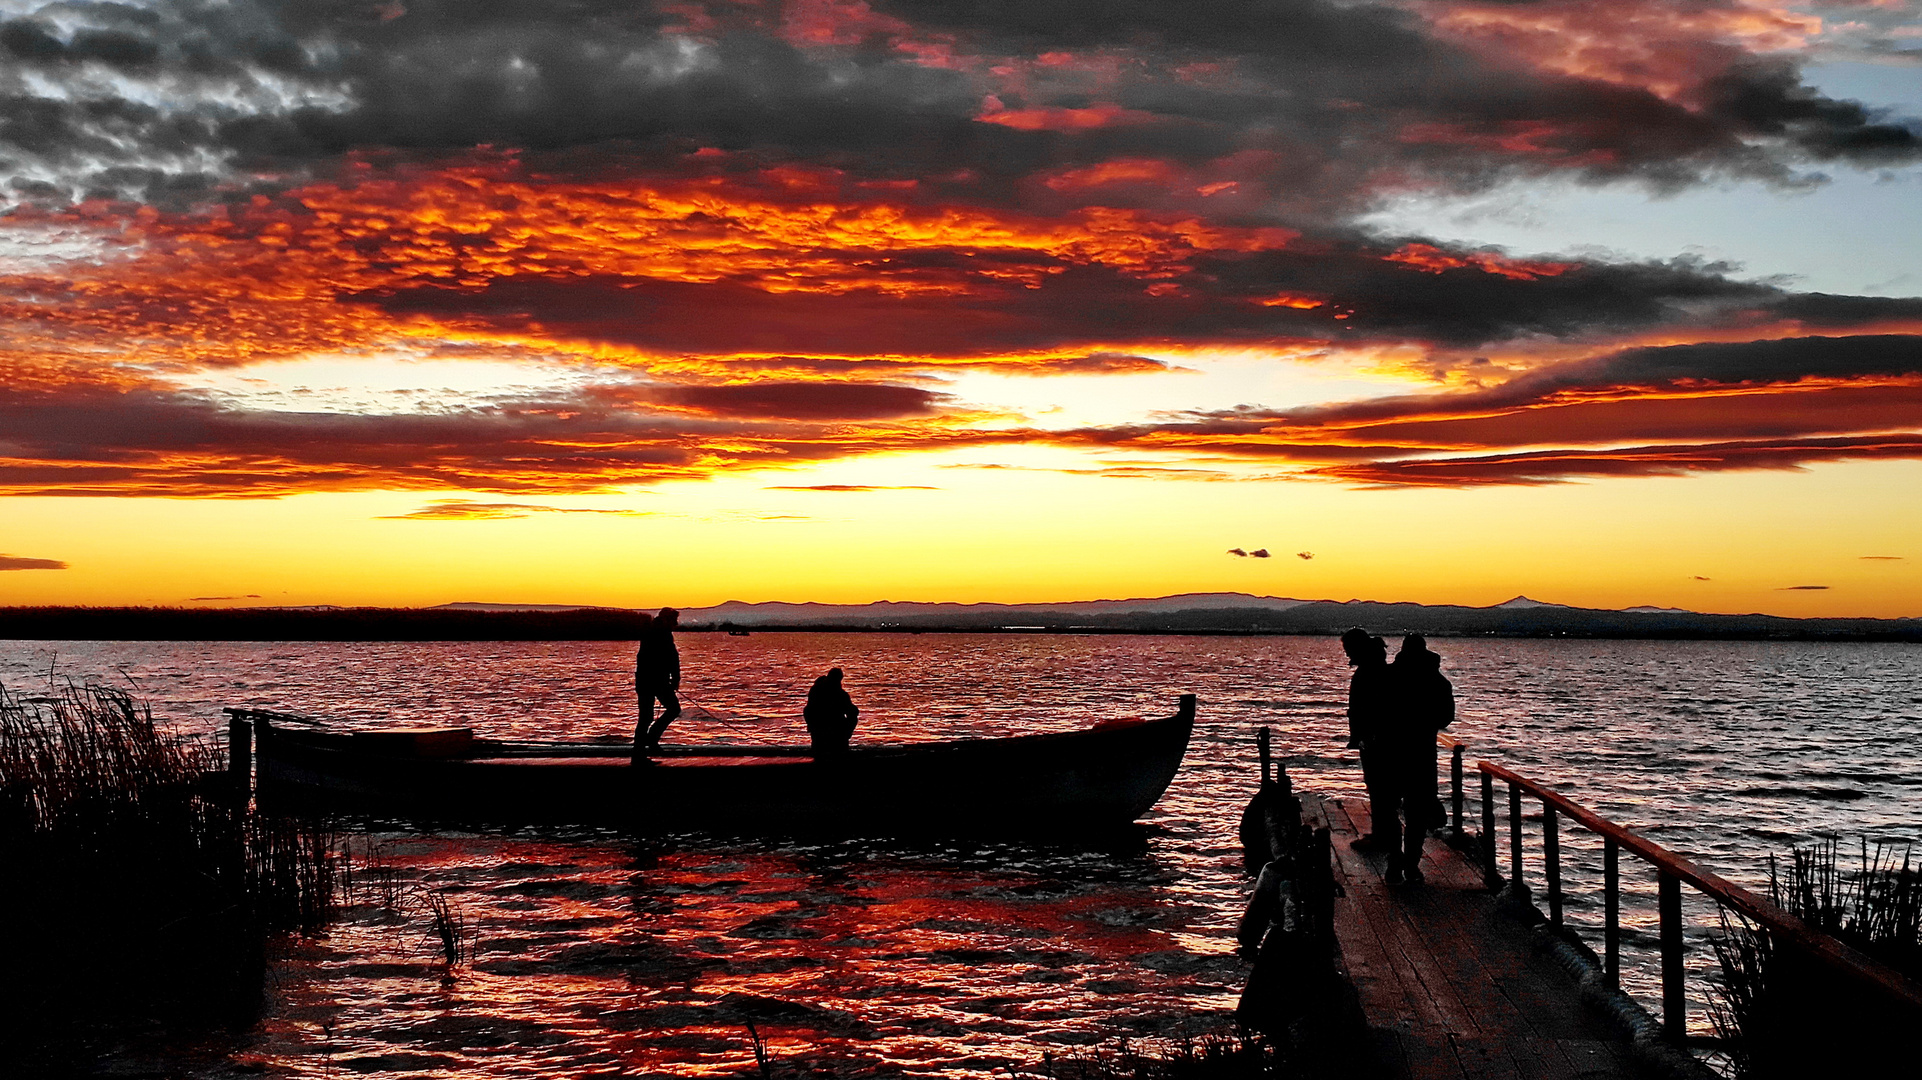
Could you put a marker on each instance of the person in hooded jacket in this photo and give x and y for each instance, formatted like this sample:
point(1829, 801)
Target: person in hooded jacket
point(1422, 704)
point(830, 715)
point(657, 677)
point(1370, 700)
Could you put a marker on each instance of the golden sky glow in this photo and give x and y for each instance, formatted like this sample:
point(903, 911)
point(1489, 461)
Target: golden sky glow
point(855, 301)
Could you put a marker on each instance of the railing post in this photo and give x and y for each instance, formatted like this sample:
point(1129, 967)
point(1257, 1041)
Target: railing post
point(1455, 773)
point(1611, 910)
point(1552, 861)
point(1514, 836)
point(1261, 744)
point(1674, 997)
point(1491, 870)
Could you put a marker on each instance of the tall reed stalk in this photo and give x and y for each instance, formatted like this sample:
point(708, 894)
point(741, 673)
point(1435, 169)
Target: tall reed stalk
point(1781, 1014)
point(140, 886)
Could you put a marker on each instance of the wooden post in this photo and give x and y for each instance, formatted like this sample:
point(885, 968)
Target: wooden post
point(1455, 773)
point(1281, 817)
point(1514, 836)
point(1322, 891)
point(1261, 743)
point(1491, 871)
point(240, 756)
point(1552, 862)
point(1674, 997)
point(1611, 910)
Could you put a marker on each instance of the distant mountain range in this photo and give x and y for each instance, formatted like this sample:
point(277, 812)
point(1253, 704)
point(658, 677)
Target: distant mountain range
point(1187, 613)
point(1244, 613)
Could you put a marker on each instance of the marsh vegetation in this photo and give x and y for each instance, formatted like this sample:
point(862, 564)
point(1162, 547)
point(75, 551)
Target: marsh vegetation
point(143, 890)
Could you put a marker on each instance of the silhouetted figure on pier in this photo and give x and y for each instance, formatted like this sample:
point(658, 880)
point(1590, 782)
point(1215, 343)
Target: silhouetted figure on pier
point(657, 677)
point(1423, 703)
point(830, 714)
point(1370, 699)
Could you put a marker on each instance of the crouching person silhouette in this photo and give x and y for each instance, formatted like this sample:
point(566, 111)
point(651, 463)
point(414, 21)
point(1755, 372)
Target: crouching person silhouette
point(830, 714)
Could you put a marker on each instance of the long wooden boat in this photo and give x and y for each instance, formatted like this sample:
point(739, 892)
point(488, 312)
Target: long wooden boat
point(1104, 776)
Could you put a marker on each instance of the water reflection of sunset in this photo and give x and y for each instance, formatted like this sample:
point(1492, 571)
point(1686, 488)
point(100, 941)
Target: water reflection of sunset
point(657, 957)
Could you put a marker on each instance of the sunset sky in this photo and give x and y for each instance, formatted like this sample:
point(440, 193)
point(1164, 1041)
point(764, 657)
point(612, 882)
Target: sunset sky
point(622, 303)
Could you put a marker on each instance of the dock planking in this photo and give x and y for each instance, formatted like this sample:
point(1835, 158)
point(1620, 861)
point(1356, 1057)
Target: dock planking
point(1450, 988)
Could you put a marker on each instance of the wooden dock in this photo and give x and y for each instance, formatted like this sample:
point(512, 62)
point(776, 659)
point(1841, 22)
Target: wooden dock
point(1451, 988)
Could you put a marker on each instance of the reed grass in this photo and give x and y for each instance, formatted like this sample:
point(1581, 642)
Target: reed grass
point(1875, 908)
point(140, 885)
point(1779, 1014)
point(449, 926)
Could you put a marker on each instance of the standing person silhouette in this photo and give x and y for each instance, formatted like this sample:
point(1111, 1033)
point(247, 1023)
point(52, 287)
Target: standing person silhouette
point(657, 676)
point(1423, 704)
point(1370, 699)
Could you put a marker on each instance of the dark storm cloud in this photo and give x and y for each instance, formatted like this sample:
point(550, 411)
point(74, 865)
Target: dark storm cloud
point(147, 440)
point(18, 562)
point(804, 400)
point(1772, 404)
point(1606, 379)
point(1802, 588)
point(1561, 466)
point(1344, 290)
point(1309, 104)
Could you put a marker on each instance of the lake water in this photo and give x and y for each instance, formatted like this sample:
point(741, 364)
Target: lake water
point(599, 954)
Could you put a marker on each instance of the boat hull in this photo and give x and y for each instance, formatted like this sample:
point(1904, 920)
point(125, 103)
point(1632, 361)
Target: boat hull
point(1081, 780)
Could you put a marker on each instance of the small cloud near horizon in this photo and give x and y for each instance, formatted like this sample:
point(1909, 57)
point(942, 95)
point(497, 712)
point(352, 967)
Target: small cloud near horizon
point(1699, 577)
point(1258, 553)
point(461, 510)
point(208, 599)
point(1802, 588)
point(21, 562)
point(1304, 555)
point(1883, 558)
point(851, 487)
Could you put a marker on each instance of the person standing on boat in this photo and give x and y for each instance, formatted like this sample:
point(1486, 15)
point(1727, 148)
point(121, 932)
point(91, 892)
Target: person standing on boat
point(830, 714)
point(1423, 704)
point(657, 677)
point(1370, 697)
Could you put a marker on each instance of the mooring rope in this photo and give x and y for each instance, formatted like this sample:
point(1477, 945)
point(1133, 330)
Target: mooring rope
point(718, 718)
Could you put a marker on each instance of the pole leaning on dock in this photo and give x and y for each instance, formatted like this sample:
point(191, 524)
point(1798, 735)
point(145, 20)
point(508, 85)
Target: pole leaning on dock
point(240, 757)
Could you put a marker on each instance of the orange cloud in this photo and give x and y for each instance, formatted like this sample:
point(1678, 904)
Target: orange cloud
point(1060, 119)
point(1561, 466)
point(1433, 260)
point(1667, 49)
point(462, 510)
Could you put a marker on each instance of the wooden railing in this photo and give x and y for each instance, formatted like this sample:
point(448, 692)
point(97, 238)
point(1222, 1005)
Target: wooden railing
point(1455, 748)
point(1786, 932)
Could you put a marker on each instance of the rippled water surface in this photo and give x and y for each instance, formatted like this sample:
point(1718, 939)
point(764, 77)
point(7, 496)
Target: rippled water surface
point(603, 954)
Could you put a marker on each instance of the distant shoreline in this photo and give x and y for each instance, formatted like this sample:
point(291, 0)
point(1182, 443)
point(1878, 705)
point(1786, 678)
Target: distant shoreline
point(1318, 618)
